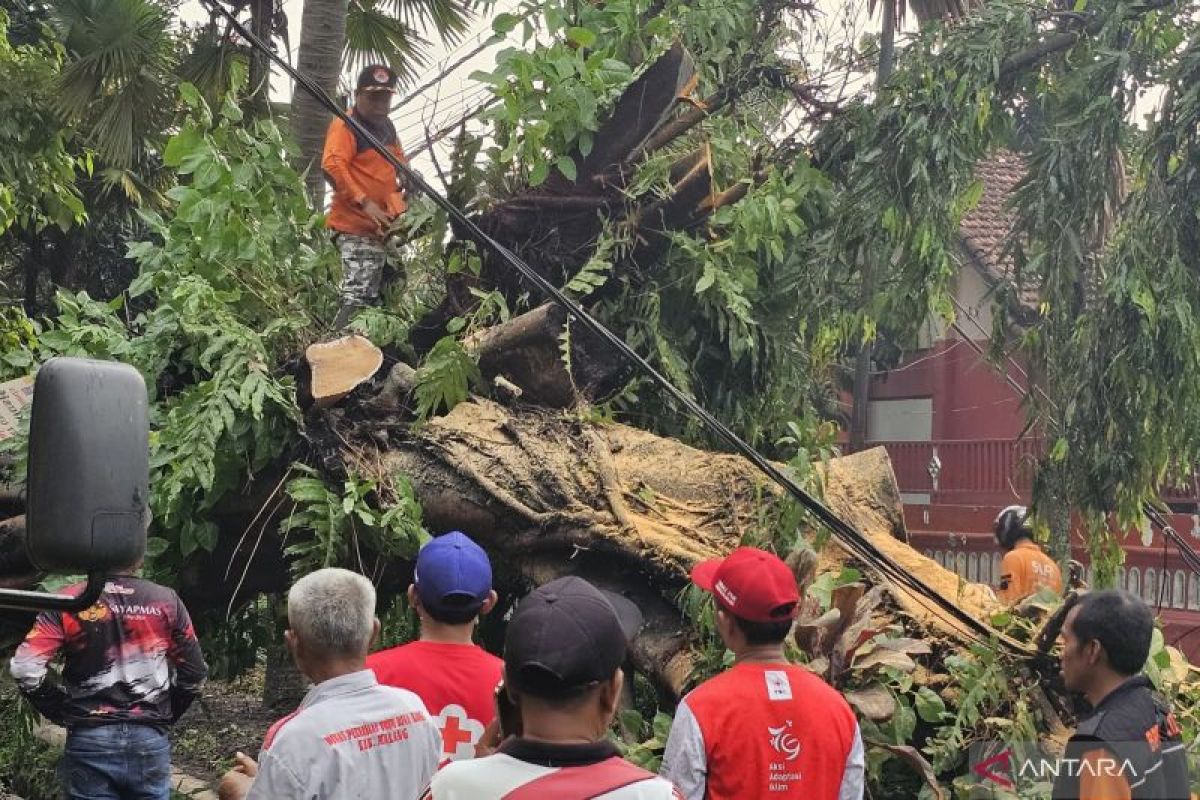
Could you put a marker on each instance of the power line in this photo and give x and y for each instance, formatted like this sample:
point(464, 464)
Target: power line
point(1190, 557)
point(850, 538)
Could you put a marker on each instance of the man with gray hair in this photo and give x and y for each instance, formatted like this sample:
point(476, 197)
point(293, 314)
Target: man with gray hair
point(351, 736)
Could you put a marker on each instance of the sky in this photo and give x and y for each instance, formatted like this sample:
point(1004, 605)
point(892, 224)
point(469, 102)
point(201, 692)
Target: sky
point(455, 95)
point(433, 108)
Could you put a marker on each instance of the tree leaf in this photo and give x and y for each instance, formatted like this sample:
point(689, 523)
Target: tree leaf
point(581, 36)
point(930, 706)
point(874, 702)
point(566, 165)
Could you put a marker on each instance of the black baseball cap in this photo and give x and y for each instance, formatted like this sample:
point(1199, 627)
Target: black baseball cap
point(376, 78)
point(564, 637)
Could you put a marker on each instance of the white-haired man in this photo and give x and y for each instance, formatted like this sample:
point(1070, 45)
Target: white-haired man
point(351, 736)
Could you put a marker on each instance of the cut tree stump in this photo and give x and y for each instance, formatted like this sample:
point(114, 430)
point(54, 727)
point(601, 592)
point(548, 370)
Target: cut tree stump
point(340, 366)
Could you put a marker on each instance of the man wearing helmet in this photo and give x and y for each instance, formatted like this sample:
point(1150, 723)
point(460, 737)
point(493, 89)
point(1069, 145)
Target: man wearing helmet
point(1025, 568)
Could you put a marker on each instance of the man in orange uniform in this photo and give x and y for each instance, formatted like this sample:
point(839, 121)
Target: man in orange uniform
point(366, 193)
point(1025, 568)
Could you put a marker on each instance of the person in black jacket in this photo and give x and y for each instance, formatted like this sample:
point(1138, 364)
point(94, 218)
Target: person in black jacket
point(131, 667)
point(1128, 745)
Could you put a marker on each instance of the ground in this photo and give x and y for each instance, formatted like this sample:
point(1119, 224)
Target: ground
point(230, 717)
point(227, 718)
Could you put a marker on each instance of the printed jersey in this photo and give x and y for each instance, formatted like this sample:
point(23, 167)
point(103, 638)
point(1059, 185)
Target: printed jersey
point(765, 731)
point(349, 738)
point(456, 682)
point(358, 173)
point(527, 770)
point(118, 658)
point(1025, 569)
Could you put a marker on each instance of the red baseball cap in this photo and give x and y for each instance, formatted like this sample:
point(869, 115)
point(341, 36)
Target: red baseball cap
point(751, 584)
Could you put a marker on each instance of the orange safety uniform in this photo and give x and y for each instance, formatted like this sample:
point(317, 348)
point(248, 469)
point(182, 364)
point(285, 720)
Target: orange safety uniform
point(1025, 569)
point(359, 173)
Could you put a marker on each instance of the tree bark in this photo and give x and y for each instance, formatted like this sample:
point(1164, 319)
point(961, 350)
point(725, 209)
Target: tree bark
point(322, 38)
point(548, 493)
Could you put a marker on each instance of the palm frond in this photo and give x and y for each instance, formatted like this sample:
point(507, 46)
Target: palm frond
point(208, 62)
point(117, 75)
point(374, 35)
point(450, 18)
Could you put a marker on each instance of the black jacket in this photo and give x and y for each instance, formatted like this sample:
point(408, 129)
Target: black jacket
point(1140, 735)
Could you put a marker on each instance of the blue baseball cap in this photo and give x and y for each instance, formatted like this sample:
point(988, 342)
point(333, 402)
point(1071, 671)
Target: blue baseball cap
point(453, 577)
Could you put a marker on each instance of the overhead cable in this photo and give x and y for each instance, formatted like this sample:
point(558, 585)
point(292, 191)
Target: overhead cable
point(850, 538)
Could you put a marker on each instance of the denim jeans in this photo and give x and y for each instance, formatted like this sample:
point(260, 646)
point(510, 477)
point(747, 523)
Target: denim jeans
point(119, 761)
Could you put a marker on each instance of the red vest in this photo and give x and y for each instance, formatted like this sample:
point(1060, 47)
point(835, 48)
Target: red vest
point(773, 730)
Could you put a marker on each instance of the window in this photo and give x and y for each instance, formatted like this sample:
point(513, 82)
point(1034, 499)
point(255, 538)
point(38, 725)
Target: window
point(1179, 590)
point(973, 567)
point(1133, 581)
point(1193, 602)
point(960, 564)
point(995, 569)
point(1150, 587)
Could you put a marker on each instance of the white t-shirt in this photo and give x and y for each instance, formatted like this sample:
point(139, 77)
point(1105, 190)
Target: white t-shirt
point(351, 737)
point(524, 769)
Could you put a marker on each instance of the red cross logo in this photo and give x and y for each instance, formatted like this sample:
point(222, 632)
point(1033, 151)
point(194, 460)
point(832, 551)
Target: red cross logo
point(453, 736)
point(459, 732)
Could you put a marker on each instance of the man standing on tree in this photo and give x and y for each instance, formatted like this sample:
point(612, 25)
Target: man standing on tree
point(1026, 567)
point(453, 676)
point(131, 667)
point(1129, 746)
point(766, 727)
point(366, 193)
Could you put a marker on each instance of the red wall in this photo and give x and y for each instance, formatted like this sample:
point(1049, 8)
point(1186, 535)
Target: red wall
point(970, 398)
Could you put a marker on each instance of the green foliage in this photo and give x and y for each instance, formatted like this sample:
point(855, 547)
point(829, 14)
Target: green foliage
point(217, 304)
point(27, 765)
point(363, 517)
point(904, 168)
point(38, 174)
point(117, 81)
point(642, 741)
point(234, 645)
point(239, 224)
point(552, 98)
point(1120, 337)
point(399, 624)
point(444, 377)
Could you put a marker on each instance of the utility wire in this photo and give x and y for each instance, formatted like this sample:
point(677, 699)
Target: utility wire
point(1190, 557)
point(850, 538)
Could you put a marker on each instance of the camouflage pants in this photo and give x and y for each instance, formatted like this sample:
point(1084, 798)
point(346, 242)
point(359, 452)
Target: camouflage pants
point(363, 260)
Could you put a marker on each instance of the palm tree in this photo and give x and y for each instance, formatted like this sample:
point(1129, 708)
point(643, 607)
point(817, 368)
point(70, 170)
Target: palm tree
point(117, 84)
point(337, 34)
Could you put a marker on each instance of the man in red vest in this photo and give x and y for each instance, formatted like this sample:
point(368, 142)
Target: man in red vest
point(764, 728)
point(366, 192)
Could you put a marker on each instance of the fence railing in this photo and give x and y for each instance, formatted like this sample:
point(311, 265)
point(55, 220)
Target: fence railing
point(986, 470)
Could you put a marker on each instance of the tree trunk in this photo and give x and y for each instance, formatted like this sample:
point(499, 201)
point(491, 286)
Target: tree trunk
point(261, 22)
point(548, 493)
point(861, 387)
point(322, 37)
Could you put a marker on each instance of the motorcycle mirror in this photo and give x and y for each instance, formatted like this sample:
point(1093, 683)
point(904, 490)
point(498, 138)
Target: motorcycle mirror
point(88, 481)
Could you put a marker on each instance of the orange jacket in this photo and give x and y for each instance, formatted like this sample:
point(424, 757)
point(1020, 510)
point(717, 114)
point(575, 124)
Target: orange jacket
point(1025, 569)
point(358, 173)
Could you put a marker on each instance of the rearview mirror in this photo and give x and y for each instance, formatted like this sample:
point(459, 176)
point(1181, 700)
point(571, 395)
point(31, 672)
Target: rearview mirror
point(88, 483)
